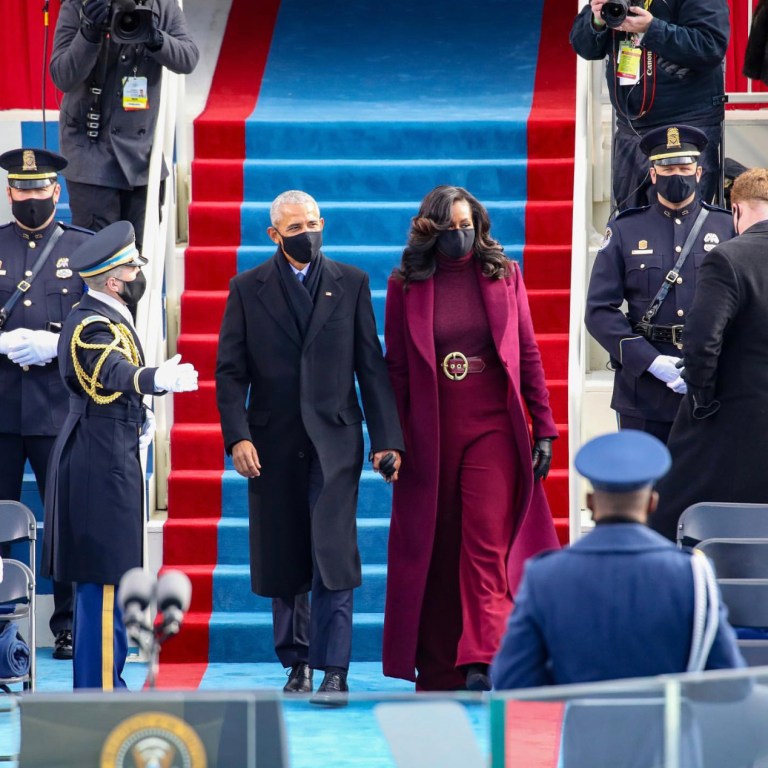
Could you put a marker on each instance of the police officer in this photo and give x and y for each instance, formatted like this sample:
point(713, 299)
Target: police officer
point(648, 258)
point(620, 601)
point(94, 503)
point(37, 290)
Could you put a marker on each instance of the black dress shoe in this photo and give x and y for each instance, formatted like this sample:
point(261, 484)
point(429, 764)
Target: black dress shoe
point(478, 678)
point(62, 648)
point(299, 679)
point(332, 691)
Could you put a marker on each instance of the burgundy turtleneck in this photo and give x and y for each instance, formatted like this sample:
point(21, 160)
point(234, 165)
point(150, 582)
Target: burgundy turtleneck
point(460, 319)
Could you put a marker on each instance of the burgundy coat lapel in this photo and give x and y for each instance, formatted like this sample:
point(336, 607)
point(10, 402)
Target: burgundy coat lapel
point(419, 310)
point(496, 299)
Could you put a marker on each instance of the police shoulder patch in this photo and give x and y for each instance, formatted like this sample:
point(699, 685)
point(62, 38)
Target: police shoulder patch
point(606, 238)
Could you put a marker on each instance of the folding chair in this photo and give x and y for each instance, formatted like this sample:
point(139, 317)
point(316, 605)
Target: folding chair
point(747, 602)
point(17, 523)
point(721, 520)
point(17, 589)
point(737, 558)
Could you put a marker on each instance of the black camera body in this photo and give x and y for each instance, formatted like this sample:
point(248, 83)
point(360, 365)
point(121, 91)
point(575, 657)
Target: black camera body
point(131, 22)
point(614, 12)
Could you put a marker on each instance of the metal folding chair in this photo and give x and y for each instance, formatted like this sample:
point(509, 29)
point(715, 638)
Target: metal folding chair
point(721, 520)
point(17, 589)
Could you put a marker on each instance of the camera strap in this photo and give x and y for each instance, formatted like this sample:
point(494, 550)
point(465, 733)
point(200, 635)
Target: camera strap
point(671, 277)
point(26, 284)
point(98, 76)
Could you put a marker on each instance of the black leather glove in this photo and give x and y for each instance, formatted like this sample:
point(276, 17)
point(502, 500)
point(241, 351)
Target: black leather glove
point(94, 18)
point(542, 457)
point(155, 40)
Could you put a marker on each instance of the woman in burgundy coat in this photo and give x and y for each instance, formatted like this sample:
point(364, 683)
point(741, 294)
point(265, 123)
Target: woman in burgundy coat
point(469, 506)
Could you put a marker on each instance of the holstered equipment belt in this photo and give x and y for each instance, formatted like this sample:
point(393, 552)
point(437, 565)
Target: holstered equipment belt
point(672, 334)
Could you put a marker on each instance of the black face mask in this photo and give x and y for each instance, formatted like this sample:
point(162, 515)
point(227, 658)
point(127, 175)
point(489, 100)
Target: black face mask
point(33, 212)
point(676, 188)
point(303, 247)
point(455, 243)
point(133, 291)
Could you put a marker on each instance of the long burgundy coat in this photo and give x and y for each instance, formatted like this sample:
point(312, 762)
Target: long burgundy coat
point(412, 364)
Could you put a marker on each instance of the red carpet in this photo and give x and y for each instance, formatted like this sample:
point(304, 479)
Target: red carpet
point(527, 735)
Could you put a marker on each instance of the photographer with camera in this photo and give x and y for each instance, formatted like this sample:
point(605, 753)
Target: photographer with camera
point(107, 59)
point(664, 66)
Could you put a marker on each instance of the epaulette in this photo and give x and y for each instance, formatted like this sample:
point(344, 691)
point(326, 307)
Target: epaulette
point(73, 228)
point(715, 208)
point(95, 319)
point(6, 225)
point(630, 211)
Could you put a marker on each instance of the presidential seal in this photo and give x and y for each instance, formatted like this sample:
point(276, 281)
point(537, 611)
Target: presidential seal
point(153, 740)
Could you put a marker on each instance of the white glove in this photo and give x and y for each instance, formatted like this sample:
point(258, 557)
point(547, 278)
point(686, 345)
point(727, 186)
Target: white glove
point(9, 339)
point(173, 376)
point(39, 348)
point(678, 385)
point(663, 368)
point(147, 429)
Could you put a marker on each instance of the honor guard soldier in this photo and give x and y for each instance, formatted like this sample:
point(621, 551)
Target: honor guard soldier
point(648, 258)
point(94, 507)
point(37, 290)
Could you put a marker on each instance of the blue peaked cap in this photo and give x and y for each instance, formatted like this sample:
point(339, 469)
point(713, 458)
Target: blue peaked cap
point(623, 461)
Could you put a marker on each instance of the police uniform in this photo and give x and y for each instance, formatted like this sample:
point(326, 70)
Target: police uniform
point(619, 602)
point(638, 254)
point(94, 505)
point(33, 396)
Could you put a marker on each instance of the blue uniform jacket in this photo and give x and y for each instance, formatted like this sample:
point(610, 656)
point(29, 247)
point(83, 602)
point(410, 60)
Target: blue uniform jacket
point(616, 604)
point(640, 246)
point(682, 63)
point(35, 401)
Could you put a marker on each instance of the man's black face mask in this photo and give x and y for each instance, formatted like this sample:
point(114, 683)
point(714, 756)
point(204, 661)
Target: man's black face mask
point(676, 188)
point(303, 247)
point(33, 212)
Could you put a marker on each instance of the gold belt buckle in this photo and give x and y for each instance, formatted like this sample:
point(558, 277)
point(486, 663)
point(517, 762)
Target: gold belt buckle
point(456, 371)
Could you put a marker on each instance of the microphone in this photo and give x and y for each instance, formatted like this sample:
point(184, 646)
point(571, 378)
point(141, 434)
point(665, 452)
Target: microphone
point(134, 596)
point(174, 593)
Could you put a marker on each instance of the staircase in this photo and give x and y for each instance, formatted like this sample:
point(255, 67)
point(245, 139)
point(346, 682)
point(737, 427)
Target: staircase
point(368, 164)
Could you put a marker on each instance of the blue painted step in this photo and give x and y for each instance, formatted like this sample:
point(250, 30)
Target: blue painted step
point(347, 223)
point(382, 179)
point(372, 535)
point(353, 139)
point(247, 637)
point(232, 590)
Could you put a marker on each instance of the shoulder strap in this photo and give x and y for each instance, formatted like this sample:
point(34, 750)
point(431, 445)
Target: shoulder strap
point(674, 273)
point(26, 284)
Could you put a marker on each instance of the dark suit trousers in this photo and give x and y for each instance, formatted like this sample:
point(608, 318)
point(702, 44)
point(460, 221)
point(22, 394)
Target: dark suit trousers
point(320, 635)
point(15, 450)
point(659, 429)
point(467, 601)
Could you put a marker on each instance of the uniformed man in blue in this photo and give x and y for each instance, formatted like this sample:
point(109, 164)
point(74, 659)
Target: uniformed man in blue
point(648, 258)
point(37, 290)
point(94, 510)
point(619, 602)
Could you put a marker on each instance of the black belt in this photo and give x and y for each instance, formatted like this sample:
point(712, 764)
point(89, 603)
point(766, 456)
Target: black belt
point(672, 334)
point(122, 411)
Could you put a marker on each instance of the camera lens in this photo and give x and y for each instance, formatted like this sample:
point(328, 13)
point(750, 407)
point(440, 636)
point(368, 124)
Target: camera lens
point(615, 12)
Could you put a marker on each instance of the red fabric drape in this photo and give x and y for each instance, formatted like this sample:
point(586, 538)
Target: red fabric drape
point(734, 58)
point(22, 32)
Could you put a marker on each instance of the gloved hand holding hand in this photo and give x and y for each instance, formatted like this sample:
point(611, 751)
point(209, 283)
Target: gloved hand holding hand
point(173, 376)
point(664, 368)
point(38, 348)
point(94, 16)
point(678, 385)
point(9, 339)
point(147, 429)
point(542, 457)
point(155, 40)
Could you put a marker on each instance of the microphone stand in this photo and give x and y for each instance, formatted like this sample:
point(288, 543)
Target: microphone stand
point(150, 640)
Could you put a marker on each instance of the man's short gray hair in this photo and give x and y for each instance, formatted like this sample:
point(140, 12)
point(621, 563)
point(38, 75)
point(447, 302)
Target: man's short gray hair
point(99, 282)
point(291, 197)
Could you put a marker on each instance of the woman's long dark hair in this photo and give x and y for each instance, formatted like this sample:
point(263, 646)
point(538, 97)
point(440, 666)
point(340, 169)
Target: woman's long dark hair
point(434, 217)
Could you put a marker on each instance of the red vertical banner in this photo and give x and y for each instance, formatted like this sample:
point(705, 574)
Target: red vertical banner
point(22, 40)
point(735, 82)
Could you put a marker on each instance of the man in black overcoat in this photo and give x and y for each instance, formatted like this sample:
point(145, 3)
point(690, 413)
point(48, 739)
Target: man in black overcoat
point(718, 438)
point(296, 331)
point(93, 506)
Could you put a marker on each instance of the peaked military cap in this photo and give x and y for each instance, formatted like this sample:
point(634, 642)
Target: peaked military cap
point(31, 168)
point(113, 246)
point(623, 461)
point(674, 145)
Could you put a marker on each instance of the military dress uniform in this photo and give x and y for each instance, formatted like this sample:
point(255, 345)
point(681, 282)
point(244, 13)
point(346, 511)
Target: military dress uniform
point(34, 400)
point(638, 254)
point(94, 511)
